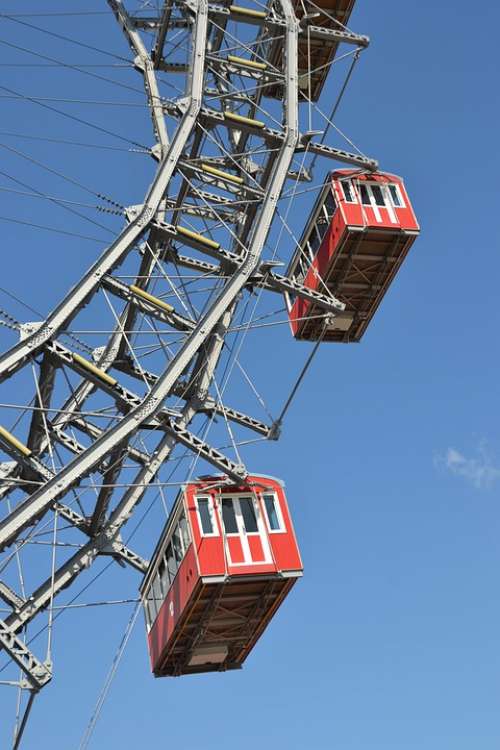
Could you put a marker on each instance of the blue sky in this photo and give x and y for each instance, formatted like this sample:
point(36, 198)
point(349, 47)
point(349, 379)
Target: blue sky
point(391, 452)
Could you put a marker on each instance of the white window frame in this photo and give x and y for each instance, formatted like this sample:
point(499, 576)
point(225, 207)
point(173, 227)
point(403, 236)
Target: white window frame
point(388, 203)
point(386, 197)
point(163, 560)
point(239, 513)
point(402, 203)
point(354, 192)
point(150, 611)
point(147, 612)
point(185, 546)
point(242, 533)
point(176, 528)
point(212, 514)
point(371, 199)
point(332, 195)
point(236, 511)
point(158, 596)
point(277, 506)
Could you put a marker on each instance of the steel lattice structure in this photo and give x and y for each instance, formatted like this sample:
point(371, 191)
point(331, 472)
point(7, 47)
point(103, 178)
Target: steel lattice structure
point(235, 136)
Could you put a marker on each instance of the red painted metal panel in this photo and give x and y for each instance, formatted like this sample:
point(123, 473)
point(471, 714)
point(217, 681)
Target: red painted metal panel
point(209, 549)
point(284, 546)
point(332, 240)
point(235, 552)
point(256, 548)
point(173, 607)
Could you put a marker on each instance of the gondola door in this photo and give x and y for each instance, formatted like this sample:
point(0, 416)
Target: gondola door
point(376, 200)
point(245, 534)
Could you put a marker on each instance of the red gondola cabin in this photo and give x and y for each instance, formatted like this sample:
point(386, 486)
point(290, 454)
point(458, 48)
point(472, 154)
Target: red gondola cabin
point(359, 233)
point(226, 560)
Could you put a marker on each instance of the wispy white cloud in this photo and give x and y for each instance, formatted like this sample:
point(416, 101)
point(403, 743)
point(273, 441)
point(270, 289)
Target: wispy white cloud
point(481, 471)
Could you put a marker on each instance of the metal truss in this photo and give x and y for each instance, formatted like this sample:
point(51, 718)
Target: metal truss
point(103, 423)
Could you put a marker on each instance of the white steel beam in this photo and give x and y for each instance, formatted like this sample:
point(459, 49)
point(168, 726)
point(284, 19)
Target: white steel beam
point(119, 248)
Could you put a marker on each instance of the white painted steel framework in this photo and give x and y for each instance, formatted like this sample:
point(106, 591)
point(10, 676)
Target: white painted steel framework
point(224, 151)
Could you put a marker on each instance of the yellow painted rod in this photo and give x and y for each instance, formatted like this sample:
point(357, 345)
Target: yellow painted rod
point(198, 237)
point(223, 175)
point(244, 120)
point(247, 63)
point(150, 298)
point(9, 438)
point(240, 11)
point(94, 370)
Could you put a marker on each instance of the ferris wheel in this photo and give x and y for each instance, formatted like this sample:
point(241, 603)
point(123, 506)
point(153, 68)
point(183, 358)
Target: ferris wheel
point(251, 216)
